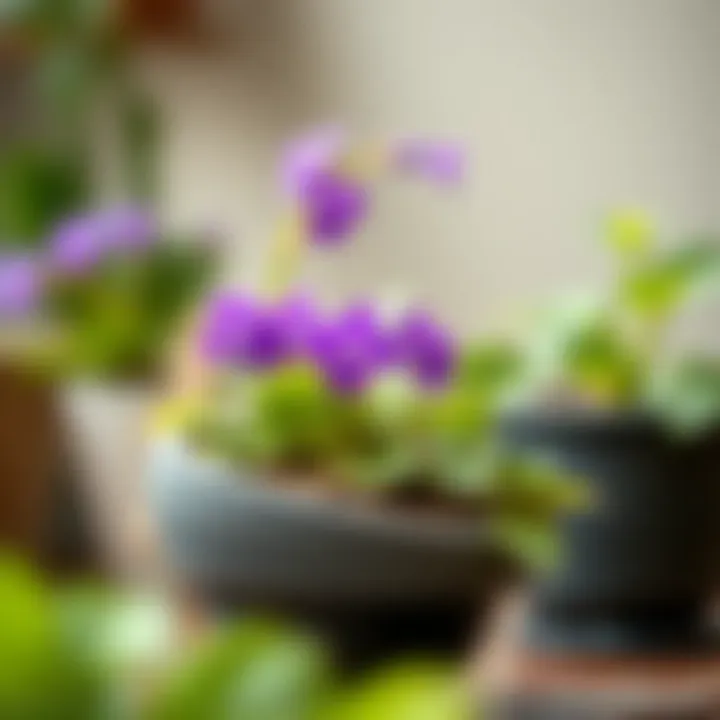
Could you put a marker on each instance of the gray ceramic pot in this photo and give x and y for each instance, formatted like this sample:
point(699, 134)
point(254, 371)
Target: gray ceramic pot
point(240, 536)
point(639, 569)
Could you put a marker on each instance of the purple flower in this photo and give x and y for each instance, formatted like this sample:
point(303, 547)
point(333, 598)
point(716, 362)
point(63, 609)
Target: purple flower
point(307, 156)
point(363, 322)
point(20, 286)
point(266, 341)
point(241, 332)
point(84, 241)
point(77, 245)
point(352, 348)
point(334, 207)
point(440, 162)
point(343, 360)
point(427, 348)
point(303, 319)
point(225, 321)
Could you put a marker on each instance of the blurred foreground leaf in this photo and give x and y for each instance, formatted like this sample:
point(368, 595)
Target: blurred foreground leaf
point(413, 691)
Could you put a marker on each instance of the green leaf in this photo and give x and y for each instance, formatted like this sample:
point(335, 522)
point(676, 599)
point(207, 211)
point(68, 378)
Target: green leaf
point(116, 322)
point(687, 396)
point(38, 187)
point(579, 349)
point(257, 670)
point(535, 544)
point(410, 691)
point(630, 234)
point(662, 287)
point(489, 368)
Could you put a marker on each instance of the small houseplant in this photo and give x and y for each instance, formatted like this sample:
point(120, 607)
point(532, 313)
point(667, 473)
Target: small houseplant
point(112, 293)
point(606, 398)
point(342, 457)
point(75, 79)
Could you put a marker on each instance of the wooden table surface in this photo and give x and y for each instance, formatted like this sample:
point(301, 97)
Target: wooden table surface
point(520, 684)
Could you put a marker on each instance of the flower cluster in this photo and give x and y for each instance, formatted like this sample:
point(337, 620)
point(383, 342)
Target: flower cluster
point(83, 242)
point(318, 173)
point(349, 348)
point(78, 246)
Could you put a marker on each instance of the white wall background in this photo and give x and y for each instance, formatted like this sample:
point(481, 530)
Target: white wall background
point(569, 107)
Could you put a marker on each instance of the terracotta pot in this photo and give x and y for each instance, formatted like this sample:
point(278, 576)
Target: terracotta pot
point(28, 455)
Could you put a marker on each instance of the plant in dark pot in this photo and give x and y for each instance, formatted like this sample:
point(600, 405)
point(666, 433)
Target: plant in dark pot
point(113, 289)
point(340, 458)
point(608, 398)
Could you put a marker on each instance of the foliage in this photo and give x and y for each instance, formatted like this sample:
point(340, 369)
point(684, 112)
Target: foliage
point(84, 654)
point(78, 62)
point(607, 350)
point(392, 440)
point(115, 322)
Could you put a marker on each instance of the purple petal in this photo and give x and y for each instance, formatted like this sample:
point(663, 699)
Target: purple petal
point(427, 348)
point(84, 241)
point(20, 286)
point(343, 360)
point(347, 374)
point(303, 319)
point(77, 245)
point(334, 208)
point(363, 323)
point(240, 331)
point(266, 341)
point(305, 157)
point(226, 320)
point(440, 162)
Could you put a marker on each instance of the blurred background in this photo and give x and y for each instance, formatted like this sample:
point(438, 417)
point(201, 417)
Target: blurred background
point(566, 108)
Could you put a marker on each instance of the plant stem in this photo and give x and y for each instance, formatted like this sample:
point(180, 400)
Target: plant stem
point(286, 254)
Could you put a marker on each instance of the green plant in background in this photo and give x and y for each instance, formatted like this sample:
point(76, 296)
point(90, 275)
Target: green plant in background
point(86, 654)
point(112, 290)
point(75, 63)
point(610, 350)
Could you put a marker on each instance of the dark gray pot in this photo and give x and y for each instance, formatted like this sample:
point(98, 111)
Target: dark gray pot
point(374, 582)
point(639, 569)
point(221, 527)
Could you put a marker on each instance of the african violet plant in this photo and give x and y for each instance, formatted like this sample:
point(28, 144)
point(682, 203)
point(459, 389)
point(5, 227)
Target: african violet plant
point(111, 289)
point(611, 351)
point(361, 400)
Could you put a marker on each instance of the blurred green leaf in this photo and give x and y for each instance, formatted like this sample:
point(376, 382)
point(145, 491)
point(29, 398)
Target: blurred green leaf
point(630, 234)
point(256, 671)
point(38, 187)
point(489, 367)
point(660, 288)
point(687, 396)
point(533, 543)
point(58, 18)
point(579, 349)
point(411, 691)
point(116, 322)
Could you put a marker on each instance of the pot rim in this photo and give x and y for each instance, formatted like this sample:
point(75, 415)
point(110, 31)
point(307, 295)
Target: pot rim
point(584, 418)
point(177, 454)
